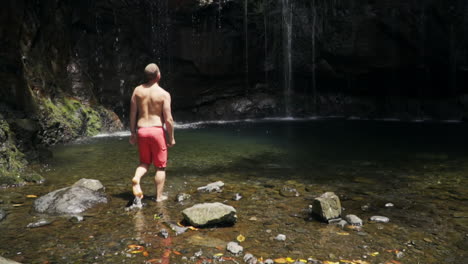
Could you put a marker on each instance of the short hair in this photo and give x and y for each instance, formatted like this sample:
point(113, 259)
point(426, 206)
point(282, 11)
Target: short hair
point(151, 71)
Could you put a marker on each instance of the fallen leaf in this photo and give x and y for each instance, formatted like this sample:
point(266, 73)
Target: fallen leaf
point(153, 260)
point(218, 254)
point(31, 196)
point(145, 253)
point(330, 262)
point(240, 238)
point(280, 260)
point(343, 233)
point(137, 251)
point(290, 260)
point(17, 205)
point(219, 247)
point(374, 254)
point(166, 254)
point(303, 260)
point(177, 252)
point(134, 246)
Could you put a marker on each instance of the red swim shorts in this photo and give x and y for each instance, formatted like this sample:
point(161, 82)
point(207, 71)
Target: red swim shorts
point(152, 146)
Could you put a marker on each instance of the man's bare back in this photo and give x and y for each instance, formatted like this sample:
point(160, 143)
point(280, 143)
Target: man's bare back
point(150, 101)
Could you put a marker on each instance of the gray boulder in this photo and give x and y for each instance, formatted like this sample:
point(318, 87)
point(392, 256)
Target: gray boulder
point(327, 206)
point(71, 200)
point(206, 214)
point(91, 184)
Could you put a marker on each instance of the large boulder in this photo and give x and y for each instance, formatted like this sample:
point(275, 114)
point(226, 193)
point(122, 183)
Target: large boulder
point(327, 206)
point(71, 200)
point(207, 214)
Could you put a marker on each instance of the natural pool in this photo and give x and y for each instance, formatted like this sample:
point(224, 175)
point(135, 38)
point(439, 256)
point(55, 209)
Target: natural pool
point(422, 168)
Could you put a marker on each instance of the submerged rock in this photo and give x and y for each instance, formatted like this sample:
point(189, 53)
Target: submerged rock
point(3, 214)
point(380, 219)
point(176, 228)
point(182, 197)
point(327, 206)
point(234, 248)
point(237, 197)
point(212, 187)
point(289, 192)
point(206, 214)
point(70, 200)
point(281, 237)
point(353, 220)
point(39, 223)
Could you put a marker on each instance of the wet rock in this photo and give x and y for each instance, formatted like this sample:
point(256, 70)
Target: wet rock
point(39, 223)
point(7, 261)
point(289, 192)
point(91, 184)
point(342, 224)
point(365, 207)
point(237, 197)
point(163, 233)
point(353, 220)
point(206, 214)
point(212, 187)
point(334, 221)
point(76, 218)
point(281, 237)
point(327, 206)
point(176, 228)
point(70, 200)
point(234, 248)
point(380, 219)
point(3, 214)
point(250, 259)
point(205, 241)
point(313, 261)
point(269, 261)
point(389, 205)
point(182, 197)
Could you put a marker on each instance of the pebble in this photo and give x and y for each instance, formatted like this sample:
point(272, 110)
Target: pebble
point(353, 220)
point(247, 257)
point(380, 219)
point(76, 218)
point(365, 207)
point(342, 224)
point(268, 230)
point(237, 197)
point(313, 261)
point(198, 253)
point(400, 255)
point(234, 248)
point(280, 237)
point(164, 233)
point(182, 197)
point(253, 218)
point(269, 261)
point(389, 205)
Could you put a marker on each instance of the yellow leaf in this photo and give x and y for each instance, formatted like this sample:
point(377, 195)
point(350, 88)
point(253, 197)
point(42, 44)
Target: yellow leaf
point(31, 196)
point(330, 262)
point(347, 261)
point(17, 205)
point(290, 260)
point(137, 251)
point(145, 253)
point(280, 260)
point(303, 260)
point(218, 254)
point(374, 254)
point(241, 238)
point(343, 233)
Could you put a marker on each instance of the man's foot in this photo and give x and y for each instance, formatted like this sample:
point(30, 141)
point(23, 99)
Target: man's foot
point(162, 198)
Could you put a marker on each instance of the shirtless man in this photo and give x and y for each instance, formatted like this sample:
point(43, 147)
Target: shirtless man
point(150, 109)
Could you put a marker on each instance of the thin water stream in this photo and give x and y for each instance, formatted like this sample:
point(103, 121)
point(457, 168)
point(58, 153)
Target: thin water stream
point(422, 168)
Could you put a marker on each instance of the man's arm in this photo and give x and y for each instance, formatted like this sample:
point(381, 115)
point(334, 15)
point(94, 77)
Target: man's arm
point(168, 120)
point(133, 118)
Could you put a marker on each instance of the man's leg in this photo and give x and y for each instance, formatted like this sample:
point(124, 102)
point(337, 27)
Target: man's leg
point(159, 180)
point(140, 171)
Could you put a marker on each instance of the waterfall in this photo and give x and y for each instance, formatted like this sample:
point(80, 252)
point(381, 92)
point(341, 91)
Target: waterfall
point(119, 64)
point(246, 47)
point(314, 66)
point(265, 24)
point(99, 55)
point(287, 56)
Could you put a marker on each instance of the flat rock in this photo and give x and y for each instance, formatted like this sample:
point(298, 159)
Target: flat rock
point(39, 223)
point(234, 248)
point(206, 214)
point(353, 220)
point(280, 237)
point(7, 261)
point(212, 187)
point(380, 219)
point(327, 206)
point(69, 201)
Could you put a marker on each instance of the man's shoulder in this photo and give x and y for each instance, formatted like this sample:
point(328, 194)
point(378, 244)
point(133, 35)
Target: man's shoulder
point(164, 92)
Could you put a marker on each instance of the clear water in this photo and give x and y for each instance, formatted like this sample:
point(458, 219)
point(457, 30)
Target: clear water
point(422, 168)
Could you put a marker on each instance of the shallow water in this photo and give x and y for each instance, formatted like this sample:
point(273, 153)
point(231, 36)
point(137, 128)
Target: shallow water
point(422, 168)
